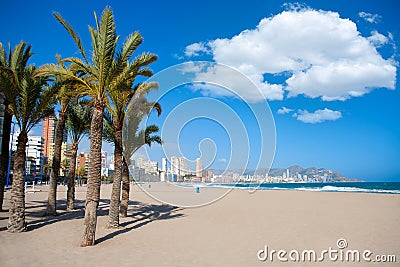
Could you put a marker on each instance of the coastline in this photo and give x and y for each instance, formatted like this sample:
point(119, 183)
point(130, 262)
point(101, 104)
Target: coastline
point(228, 232)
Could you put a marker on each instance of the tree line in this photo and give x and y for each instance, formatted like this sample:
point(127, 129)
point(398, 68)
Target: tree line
point(93, 94)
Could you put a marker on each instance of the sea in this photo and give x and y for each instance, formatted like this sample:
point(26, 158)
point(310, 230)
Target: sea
point(354, 187)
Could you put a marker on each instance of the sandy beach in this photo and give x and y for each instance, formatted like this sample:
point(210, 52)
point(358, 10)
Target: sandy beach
point(228, 232)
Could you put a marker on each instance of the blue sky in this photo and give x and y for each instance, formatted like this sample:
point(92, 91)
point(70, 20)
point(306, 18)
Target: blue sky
point(327, 68)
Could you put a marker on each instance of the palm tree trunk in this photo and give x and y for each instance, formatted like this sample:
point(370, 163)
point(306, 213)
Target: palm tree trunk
point(71, 178)
point(16, 221)
point(113, 215)
point(55, 168)
point(94, 176)
point(125, 189)
point(4, 153)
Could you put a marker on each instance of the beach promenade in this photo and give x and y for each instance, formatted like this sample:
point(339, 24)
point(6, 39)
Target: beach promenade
point(229, 232)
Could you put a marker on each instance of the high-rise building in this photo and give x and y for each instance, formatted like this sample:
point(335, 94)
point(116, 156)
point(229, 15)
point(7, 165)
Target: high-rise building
point(163, 177)
point(164, 164)
point(175, 165)
point(182, 166)
point(83, 161)
point(48, 135)
point(199, 168)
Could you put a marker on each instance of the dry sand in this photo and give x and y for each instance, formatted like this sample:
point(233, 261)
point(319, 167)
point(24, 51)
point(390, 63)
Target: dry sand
point(228, 232)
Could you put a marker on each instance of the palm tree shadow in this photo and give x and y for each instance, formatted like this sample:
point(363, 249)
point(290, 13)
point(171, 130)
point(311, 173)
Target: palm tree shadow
point(40, 221)
point(144, 214)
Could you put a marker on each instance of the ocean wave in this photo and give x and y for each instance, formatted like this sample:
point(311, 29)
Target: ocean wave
point(300, 187)
point(330, 188)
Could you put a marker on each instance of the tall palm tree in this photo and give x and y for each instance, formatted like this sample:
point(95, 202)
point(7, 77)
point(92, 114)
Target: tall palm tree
point(66, 94)
point(108, 70)
point(77, 125)
point(137, 109)
point(143, 137)
point(12, 65)
point(114, 118)
point(30, 103)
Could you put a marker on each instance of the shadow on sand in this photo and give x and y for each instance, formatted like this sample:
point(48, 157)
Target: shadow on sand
point(139, 214)
point(144, 214)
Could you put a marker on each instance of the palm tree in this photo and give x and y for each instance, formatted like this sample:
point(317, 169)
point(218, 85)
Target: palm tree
point(143, 137)
point(108, 70)
point(46, 169)
point(114, 119)
point(112, 133)
point(77, 125)
point(30, 103)
point(66, 94)
point(12, 65)
point(136, 111)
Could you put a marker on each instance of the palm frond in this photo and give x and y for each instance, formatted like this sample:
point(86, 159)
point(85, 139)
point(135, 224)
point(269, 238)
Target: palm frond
point(72, 33)
point(78, 120)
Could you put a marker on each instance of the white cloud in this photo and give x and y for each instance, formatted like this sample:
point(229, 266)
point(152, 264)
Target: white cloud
point(317, 116)
point(322, 54)
point(371, 18)
point(231, 83)
point(378, 39)
point(284, 110)
point(196, 49)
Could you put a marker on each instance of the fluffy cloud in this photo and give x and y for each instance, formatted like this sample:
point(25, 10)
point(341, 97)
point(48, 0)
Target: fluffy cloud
point(321, 54)
point(317, 116)
point(221, 80)
point(195, 49)
point(371, 18)
point(378, 39)
point(284, 110)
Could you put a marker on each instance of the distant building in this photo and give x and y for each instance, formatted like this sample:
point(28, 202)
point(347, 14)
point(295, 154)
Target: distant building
point(139, 162)
point(48, 135)
point(34, 155)
point(164, 169)
point(112, 162)
point(104, 159)
point(199, 168)
point(182, 166)
point(210, 173)
point(66, 156)
point(175, 165)
point(137, 173)
point(164, 165)
point(149, 166)
point(83, 161)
